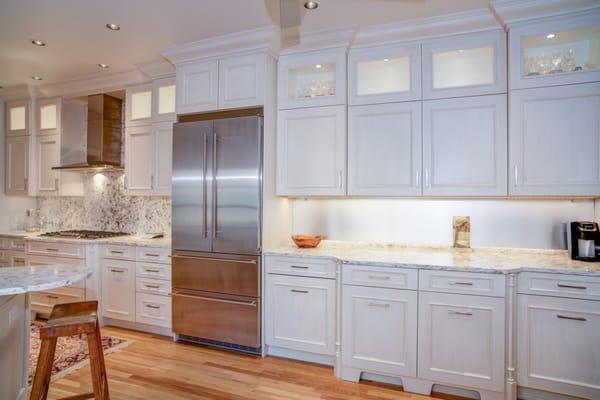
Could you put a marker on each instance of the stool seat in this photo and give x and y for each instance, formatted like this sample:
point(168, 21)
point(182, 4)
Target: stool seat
point(67, 326)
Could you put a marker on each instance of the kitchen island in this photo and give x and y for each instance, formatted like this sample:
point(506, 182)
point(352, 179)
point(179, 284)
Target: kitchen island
point(15, 285)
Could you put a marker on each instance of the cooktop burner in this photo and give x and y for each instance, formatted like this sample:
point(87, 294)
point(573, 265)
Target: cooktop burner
point(77, 234)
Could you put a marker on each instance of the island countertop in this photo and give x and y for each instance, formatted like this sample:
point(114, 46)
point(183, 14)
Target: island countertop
point(18, 280)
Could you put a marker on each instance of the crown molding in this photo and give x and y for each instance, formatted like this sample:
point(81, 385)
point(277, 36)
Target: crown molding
point(430, 27)
point(514, 11)
point(267, 38)
point(157, 69)
point(20, 92)
point(323, 39)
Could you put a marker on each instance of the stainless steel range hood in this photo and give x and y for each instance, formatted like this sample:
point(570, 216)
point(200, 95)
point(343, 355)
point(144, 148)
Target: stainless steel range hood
point(100, 149)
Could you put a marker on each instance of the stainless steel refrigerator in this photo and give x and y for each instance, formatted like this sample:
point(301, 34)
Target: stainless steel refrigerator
point(216, 214)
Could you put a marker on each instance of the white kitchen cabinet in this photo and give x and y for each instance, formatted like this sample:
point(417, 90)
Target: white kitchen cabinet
point(311, 151)
point(163, 146)
point(139, 159)
point(153, 310)
point(379, 331)
point(465, 65)
point(48, 152)
point(384, 74)
point(163, 100)
point(138, 105)
point(555, 141)
point(461, 340)
point(48, 116)
point(17, 165)
point(464, 146)
point(558, 51)
point(197, 86)
point(300, 313)
point(557, 345)
point(118, 289)
point(242, 81)
point(17, 118)
point(316, 78)
point(384, 149)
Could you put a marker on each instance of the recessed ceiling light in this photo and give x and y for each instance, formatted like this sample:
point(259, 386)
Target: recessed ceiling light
point(386, 59)
point(38, 42)
point(113, 27)
point(318, 66)
point(311, 5)
point(36, 78)
point(550, 36)
point(103, 66)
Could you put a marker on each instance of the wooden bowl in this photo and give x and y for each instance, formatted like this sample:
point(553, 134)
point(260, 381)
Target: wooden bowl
point(307, 241)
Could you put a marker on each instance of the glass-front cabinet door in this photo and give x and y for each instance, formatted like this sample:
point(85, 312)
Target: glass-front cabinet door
point(555, 52)
point(17, 118)
point(312, 79)
point(465, 65)
point(163, 100)
point(138, 105)
point(48, 117)
point(384, 74)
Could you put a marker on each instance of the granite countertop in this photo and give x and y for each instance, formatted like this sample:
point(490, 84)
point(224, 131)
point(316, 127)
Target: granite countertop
point(17, 280)
point(131, 240)
point(483, 259)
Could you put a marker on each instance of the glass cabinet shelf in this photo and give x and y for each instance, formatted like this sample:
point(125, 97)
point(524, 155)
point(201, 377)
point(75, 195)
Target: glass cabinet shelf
point(311, 81)
point(388, 75)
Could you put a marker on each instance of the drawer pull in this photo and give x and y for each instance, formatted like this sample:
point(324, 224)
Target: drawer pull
point(152, 255)
point(155, 271)
point(299, 291)
point(461, 283)
point(51, 296)
point(384, 305)
point(468, 313)
point(51, 249)
point(19, 259)
point(117, 270)
point(116, 252)
point(151, 306)
point(152, 286)
point(562, 285)
point(380, 278)
point(299, 266)
point(582, 319)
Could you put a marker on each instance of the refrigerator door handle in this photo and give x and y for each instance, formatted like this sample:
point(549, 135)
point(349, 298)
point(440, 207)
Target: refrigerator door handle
point(204, 188)
point(214, 185)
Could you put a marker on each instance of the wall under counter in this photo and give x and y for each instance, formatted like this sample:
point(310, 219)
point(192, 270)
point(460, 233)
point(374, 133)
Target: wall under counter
point(494, 222)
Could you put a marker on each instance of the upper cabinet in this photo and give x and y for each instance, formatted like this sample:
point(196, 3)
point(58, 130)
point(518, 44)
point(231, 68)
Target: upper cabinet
point(17, 118)
point(316, 78)
point(242, 81)
point(138, 105)
point(48, 116)
point(384, 74)
point(197, 85)
point(163, 100)
point(17, 166)
point(555, 52)
point(465, 65)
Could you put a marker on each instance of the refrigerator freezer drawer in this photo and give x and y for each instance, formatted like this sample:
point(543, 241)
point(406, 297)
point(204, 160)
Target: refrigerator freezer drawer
point(224, 320)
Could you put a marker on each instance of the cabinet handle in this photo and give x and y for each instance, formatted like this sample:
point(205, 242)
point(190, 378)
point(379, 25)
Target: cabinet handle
point(156, 271)
point(26, 183)
point(426, 177)
point(117, 270)
point(562, 285)
point(516, 171)
point(417, 176)
point(461, 283)
point(299, 266)
point(468, 313)
point(51, 296)
point(151, 306)
point(381, 278)
point(340, 178)
point(582, 319)
point(51, 249)
point(383, 305)
point(152, 255)
point(19, 260)
point(152, 286)
point(151, 181)
point(298, 291)
point(116, 251)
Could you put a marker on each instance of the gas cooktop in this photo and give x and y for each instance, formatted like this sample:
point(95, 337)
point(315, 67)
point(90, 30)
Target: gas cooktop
point(81, 234)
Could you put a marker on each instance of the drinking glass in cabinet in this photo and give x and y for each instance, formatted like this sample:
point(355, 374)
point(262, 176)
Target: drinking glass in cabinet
point(312, 81)
point(464, 67)
point(389, 75)
point(561, 52)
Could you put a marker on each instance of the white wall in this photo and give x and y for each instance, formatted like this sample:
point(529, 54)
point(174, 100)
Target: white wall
point(503, 223)
point(10, 206)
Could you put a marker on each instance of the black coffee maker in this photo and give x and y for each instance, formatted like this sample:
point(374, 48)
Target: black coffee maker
point(583, 241)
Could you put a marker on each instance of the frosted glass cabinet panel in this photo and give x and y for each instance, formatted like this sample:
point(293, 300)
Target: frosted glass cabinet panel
point(555, 52)
point(139, 105)
point(48, 116)
point(17, 118)
point(384, 74)
point(465, 65)
point(312, 79)
point(163, 100)
point(166, 99)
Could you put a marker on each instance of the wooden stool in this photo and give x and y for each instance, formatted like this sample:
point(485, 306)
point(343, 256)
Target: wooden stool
point(66, 320)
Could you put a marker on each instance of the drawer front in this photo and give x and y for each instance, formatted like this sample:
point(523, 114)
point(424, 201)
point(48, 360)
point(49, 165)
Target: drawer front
point(4, 256)
point(17, 259)
point(154, 254)
point(16, 244)
point(56, 249)
point(480, 284)
point(301, 266)
point(4, 243)
point(118, 252)
point(152, 270)
point(572, 286)
point(153, 286)
point(153, 310)
point(44, 301)
point(47, 260)
point(385, 277)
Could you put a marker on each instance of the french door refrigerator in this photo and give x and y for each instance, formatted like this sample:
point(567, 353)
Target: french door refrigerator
point(216, 230)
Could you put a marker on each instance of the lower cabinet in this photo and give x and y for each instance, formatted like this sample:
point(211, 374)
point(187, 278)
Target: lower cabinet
point(118, 289)
point(461, 340)
point(557, 343)
point(379, 330)
point(153, 309)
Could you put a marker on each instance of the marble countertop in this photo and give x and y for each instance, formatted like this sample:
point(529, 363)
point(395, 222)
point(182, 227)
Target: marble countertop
point(483, 259)
point(131, 240)
point(17, 280)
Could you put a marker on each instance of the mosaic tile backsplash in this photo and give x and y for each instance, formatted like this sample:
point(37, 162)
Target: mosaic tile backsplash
point(107, 206)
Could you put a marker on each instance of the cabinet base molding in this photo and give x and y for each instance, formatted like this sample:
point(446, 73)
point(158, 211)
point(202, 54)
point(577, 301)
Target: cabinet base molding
point(300, 355)
point(136, 326)
point(524, 393)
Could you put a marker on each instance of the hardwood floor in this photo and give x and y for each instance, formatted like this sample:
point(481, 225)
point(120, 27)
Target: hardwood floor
point(154, 367)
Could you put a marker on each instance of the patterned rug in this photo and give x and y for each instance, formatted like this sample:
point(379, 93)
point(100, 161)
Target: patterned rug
point(71, 352)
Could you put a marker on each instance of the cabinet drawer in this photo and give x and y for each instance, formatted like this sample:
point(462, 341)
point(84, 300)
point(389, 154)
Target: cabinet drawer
point(16, 244)
point(302, 266)
point(48, 260)
point(386, 277)
point(154, 254)
point(4, 243)
point(573, 286)
point(462, 282)
point(153, 310)
point(44, 301)
point(118, 252)
point(4, 256)
point(151, 270)
point(153, 286)
point(57, 249)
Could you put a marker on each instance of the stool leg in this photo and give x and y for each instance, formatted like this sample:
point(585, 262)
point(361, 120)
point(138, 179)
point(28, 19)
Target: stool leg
point(43, 371)
point(99, 380)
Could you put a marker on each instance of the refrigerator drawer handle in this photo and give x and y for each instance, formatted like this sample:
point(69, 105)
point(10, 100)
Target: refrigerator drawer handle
point(242, 303)
point(216, 259)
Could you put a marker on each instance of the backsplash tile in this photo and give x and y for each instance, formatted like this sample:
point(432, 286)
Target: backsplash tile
point(106, 206)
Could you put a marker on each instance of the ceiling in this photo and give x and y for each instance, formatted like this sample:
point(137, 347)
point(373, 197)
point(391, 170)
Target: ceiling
point(77, 39)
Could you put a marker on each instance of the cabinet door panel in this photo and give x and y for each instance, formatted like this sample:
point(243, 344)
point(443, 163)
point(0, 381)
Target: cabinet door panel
point(138, 105)
point(48, 155)
point(49, 116)
point(242, 81)
point(380, 330)
point(17, 165)
point(557, 344)
point(163, 137)
point(139, 161)
point(17, 118)
point(555, 141)
point(118, 289)
point(311, 151)
point(163, 100)
point(464, 146)
point(384, 149)
point(197, 87)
